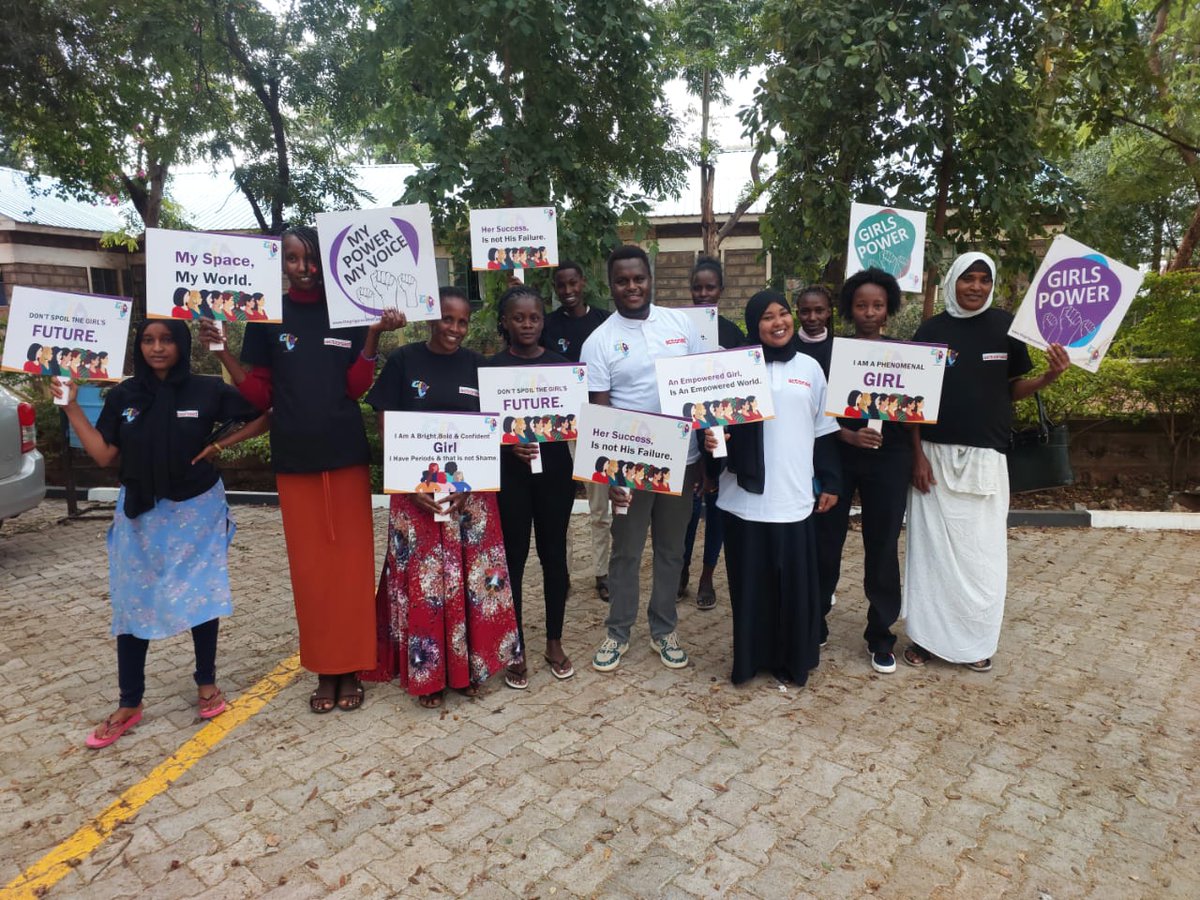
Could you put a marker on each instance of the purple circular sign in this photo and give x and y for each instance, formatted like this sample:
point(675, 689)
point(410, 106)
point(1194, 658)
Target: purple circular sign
point(1074, 297)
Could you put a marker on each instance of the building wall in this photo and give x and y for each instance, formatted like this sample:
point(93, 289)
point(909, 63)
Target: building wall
point(36, 256)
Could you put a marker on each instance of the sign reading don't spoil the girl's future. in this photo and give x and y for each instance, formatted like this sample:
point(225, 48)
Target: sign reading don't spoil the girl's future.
point(80, 336)
point(379, 259)
point(1077, 299)
point(536, 404)
point(204, 275)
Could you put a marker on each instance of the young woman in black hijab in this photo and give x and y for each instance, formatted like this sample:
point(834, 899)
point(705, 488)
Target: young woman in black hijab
point(167, 546)
point(767, 498)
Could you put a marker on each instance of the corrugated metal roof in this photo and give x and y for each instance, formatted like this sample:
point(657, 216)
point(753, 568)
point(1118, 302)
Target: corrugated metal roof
point(38, 205)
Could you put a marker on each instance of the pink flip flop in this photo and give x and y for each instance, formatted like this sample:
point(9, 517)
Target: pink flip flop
point(97, 742)
point(215, 710)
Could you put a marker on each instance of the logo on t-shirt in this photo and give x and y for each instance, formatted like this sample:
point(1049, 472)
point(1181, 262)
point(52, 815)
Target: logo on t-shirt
point(995, 357)
point(129, 413)
point(951, 357)
point(799, 381)
point(187, 413)
point(563, 345)
point(621, 347)
point(337, 342)
point(678, 340)
point(289, 342)
point(469, 391)
point(421, 388)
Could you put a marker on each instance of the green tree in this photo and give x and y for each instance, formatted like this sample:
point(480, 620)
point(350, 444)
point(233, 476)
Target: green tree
point(931, 104)
point(525, 103)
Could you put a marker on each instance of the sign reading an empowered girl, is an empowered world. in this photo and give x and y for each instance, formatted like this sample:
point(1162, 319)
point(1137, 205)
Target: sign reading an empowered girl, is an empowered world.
point(379, 259)
point(890, 239)
point(1077, 299)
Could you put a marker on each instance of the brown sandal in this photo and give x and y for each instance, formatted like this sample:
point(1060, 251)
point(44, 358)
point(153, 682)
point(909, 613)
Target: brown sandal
point(324, 698)
point(350, 699)
point(431, 701)
point(916, 655)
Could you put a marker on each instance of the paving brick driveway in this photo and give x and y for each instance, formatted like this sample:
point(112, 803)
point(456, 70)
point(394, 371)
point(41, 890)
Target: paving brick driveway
point(1070, 770)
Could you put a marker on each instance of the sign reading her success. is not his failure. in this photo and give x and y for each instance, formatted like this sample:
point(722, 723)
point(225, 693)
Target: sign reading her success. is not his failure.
point(522, 238)
point(78, 336)
point(889, 381)
point(1077, 299)
point(379, 259)
point(535, 404)
point(440, 453)
point(890, 239)
point(639, 451)
point(203, 275)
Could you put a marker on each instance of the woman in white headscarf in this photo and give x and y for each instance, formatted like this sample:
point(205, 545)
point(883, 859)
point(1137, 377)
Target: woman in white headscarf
point(956, 569)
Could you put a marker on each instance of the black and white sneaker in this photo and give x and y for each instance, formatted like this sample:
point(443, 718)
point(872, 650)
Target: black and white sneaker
point(883, 662)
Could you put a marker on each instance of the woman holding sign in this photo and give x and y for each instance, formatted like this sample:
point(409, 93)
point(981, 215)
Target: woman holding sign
point(956, 570)
point(168, 569)
point(444, 608)
point(878, 465)
point(542, 501)
point(766, 498)
point(311, 376)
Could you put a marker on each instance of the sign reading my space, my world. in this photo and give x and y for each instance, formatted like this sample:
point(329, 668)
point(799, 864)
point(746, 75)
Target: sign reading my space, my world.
point(890, 239)
point(1077, 299)
point(206, 275)
point(379, 259)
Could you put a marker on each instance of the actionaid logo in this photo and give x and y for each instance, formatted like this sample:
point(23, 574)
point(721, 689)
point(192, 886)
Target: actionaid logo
point(1074, 298)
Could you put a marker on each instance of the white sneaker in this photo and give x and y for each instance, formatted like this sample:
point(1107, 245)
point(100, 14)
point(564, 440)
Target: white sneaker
point(608, 655)
point(672, 655)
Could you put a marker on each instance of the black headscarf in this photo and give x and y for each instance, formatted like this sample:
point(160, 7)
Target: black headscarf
point(746, 455)
point(148, 464)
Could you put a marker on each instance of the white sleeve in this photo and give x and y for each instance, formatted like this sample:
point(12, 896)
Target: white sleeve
point(593, 356)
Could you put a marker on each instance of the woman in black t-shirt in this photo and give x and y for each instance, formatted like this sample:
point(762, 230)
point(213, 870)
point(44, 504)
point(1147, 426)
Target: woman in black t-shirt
point(956, 568)
point(444, 609)
point(542, 501)
point(877, 464)
point(167, 562)
point(310, 376)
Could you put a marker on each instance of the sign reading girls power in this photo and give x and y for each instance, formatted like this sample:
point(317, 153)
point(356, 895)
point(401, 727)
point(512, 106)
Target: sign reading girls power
point(705, 320)
point(1078, 299)
point(725, 387)
point(639, 451)
point(888, 239)
point(379, 259)
point(79, 336)
point(224, 277)
point(888, 381)
point(536, 404)
point(440, 453)
point(525, 238)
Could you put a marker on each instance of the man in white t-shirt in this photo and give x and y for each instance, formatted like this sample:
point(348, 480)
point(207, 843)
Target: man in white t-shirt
point(620, 357)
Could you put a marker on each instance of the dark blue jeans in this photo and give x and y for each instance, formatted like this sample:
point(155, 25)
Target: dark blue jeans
point(131, 661)
point(713, 530)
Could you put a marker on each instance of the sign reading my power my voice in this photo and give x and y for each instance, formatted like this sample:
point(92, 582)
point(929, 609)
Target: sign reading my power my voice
point(440, 453)
point(202, 275)
point(888, 239)
point(1077, 299)
point(77, 336)
point(379, 259)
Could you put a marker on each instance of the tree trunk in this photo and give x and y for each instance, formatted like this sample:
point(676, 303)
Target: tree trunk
point(708, 223)
point(1187, 246)
point(945, 170)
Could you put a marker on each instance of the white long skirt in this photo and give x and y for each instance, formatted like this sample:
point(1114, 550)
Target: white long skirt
point(956, 569)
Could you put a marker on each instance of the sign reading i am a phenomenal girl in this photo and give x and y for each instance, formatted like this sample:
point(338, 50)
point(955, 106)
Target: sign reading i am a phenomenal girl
point(1077, 299)
point(885, 381)
point(379, 259)
point(890, 239)
point(202, 275)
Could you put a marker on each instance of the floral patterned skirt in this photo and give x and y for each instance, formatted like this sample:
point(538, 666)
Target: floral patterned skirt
point(444, 608)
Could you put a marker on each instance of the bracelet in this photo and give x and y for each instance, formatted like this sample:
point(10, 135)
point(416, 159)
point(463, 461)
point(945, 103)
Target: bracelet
point(217, 444)
point(371, 359)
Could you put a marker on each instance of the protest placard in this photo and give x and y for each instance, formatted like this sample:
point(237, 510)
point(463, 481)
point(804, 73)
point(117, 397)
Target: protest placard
point(1077, 299)
point(535, 404)
point(725, 387)
point(77, 336)
point(440, 453)
point(890, 239)
point(525, 238)
point(885, 381)
point(223, 277)
point(639, 451)
point(378, 259)
point(705, 320)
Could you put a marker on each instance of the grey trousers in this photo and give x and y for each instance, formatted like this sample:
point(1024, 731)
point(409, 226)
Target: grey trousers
point(666, 518)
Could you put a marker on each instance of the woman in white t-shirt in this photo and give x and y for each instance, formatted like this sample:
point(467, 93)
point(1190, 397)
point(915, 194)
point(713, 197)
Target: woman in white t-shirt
point(767, 498)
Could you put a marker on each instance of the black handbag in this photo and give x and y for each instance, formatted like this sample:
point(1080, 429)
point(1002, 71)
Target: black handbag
point(1039, 456)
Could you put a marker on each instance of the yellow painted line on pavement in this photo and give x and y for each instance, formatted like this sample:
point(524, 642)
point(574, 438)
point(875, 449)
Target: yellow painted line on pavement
point(54, 866)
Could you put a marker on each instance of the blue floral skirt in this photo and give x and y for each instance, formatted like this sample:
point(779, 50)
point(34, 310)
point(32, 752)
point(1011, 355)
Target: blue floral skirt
point(168, 569)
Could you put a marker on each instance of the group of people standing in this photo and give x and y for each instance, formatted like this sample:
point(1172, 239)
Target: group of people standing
point(446, 610)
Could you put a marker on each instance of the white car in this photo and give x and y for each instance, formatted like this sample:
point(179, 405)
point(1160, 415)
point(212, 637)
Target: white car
point(22, 469)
